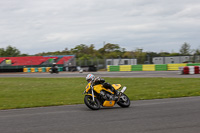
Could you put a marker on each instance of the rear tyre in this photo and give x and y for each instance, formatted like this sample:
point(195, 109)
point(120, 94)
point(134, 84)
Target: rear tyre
point(94, 105)
point(124, 101)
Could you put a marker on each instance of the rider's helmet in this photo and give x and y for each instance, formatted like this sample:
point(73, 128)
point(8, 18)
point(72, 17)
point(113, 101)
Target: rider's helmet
point(90, 77)
point(54, 64)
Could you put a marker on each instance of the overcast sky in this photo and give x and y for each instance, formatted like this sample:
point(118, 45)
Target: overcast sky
point(35, 26)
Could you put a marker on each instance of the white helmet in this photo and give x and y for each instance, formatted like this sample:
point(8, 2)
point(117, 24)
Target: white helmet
point(90, 77)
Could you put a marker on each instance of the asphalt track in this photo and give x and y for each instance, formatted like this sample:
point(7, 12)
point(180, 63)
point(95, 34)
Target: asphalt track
point(174, 74)
point(178, 115)
point(175, 115)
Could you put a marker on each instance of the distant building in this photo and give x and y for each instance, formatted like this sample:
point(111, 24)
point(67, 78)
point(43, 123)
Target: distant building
point(121, 61)
point(172, 59)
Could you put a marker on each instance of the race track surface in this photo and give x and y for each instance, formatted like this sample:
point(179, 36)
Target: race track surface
point(178, 115)
point(174, 74)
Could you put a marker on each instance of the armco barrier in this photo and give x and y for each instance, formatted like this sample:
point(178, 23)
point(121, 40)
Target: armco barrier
point(148, 67)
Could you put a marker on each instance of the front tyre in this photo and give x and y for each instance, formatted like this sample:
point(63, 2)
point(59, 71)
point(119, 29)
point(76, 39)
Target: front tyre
point(124, 101)
point(94, 105)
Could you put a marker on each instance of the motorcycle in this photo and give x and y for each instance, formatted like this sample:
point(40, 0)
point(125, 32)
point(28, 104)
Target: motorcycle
point(97, 95)
point(53, 70)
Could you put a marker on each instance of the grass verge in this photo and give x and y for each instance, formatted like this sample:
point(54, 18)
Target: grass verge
point(37, 92)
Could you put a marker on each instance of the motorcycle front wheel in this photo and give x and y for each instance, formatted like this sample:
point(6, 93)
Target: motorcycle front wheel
point(94, 105)
point(124, 101)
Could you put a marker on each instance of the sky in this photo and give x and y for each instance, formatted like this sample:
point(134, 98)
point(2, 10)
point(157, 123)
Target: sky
point(35, 26)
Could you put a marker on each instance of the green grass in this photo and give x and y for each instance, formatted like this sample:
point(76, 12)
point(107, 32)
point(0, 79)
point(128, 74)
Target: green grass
point(37, 92)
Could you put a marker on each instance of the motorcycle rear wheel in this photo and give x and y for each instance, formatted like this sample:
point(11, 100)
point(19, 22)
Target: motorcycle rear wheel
point(94, 105)
point(124, 101)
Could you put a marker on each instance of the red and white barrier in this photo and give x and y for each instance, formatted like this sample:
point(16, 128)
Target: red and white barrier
point(190, 70)
point(196, 69)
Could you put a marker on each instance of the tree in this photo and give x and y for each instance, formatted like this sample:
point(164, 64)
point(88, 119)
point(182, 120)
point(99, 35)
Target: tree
point(128, 54)
point(9, 51)
point(2, 52)
point(83, 50)
point(79, 50)
point(197, 51)
point(139, 55)
point(111, 47)
point(174, 54)
point(185, 49)
point(150, 55)
point(111, 51)
point(164, 53)
point(91, 49)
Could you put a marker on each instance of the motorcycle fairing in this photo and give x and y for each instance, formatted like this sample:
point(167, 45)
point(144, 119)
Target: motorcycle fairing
point(117, 86)
point(108, 103)
point(98, 88)
point(87, 88)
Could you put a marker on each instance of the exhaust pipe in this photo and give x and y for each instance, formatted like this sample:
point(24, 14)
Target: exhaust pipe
point(123, 89)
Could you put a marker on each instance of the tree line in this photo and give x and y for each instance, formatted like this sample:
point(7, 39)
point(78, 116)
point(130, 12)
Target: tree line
point(109, 50)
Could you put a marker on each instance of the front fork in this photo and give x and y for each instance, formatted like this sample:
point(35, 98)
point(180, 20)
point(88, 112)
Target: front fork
point(92, 93)
point(92, 90)
point(121, 92)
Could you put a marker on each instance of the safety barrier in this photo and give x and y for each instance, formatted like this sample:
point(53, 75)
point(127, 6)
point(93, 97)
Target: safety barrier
point(40, 69)
point(25, 70)
point(155, 67)
point(193, 64)
point(32, 69)
point(148, 68)
point(113, 68)
point(189, 70)
point(174, 67)
point(136, 68)
point(125, 68)
point(47, 69)
point(161, 67)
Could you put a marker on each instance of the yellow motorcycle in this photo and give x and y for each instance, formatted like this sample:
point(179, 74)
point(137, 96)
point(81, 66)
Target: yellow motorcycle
point(97, 95)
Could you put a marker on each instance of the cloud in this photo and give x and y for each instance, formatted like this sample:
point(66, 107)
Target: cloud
point(49, 25)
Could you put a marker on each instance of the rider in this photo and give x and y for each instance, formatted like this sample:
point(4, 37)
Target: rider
point(54, 67)
point(98, 80)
